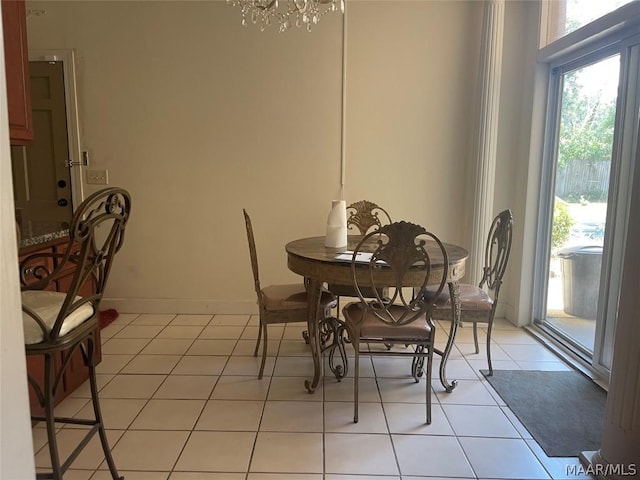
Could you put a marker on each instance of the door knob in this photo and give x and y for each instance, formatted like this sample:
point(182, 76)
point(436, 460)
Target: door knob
point(63, 202)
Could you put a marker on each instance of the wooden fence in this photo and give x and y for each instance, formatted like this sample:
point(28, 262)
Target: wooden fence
point(583, 178)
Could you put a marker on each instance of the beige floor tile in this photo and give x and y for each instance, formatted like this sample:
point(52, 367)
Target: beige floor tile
point(292, 388)
point(70, 406)
point(123, 346)
point(167, 346)
point(153, 319)
point(293, 331)
point(67, 439)
point(343, 454)
point(78, 474)
point(288, 416)
point(151, 364)
point(409, 418)
point(287, 453)
point(248, 366)
point(186, 387)
point(200, 365)
point(116, 413)
point(222, 319)
point(445, 456)
point(274, 332)
point(246, 348)
point(132, 386)
point(217, 452)
point(528, 353)
point(392, 367)
point(212, 347)
point(84, 390)
point(456, 368)
point(366, 367)
point(502, 458)
point(225, 332)
point(181, 331)
point(206, 476)
point(191, 319)
point(294, 348)
point(343, 391)
point(338, 417)
point(468, 392)
point(231, 415)
point(139, 331)
point(231, 387)
point(149, 450)
point(129, 475)
point(404, 390)
point(558, 467)
point(479, 421)
point(113, 363)
point(481, 364)
point(169, 415)
point(293, 366)
point(363, 477)
point(110, 330)
point(39, 437)
point(284, 476)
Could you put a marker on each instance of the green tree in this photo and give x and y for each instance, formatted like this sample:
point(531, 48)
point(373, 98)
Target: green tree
point(587, 123)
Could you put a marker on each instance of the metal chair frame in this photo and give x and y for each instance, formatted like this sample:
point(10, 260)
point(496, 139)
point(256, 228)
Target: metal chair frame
point(91, 255)
point(402, 247)
point(496, 257)
point(270, 316)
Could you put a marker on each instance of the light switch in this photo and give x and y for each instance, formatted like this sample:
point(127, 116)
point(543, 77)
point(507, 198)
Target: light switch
point(97, 177)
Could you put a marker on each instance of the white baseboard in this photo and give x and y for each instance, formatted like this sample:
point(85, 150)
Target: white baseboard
point(179, 306)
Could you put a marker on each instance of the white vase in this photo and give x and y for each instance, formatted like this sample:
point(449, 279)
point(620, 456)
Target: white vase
point(337, 225)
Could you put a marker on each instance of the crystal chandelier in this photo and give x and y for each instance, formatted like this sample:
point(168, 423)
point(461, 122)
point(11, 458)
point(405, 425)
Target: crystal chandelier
point(285, 13)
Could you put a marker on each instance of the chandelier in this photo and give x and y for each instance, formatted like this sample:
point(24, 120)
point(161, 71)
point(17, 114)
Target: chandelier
point(285, 13)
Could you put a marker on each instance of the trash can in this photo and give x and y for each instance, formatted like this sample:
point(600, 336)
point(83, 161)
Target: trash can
point(581, 279)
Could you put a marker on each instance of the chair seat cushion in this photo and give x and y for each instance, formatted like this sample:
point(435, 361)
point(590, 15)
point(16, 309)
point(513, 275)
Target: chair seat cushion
point(47, 305)
point(471, 298)
point(373, 327)
point(290, 297)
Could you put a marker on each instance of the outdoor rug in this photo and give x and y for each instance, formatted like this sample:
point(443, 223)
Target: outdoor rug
point(563, 411)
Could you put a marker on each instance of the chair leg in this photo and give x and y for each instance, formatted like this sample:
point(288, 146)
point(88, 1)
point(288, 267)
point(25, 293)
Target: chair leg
point(475, 336)
point(356, 378)
point(98, 414)
point(255, 351)
point(264, 349)
point(428, 383)
point(489, 327)
point(49, 398)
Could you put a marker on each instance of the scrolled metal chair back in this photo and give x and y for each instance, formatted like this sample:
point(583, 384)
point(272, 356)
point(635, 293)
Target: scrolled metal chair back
point(253, 254)
point(365, 215)
point(96, 234)
point(409, 252)
point(497, 251)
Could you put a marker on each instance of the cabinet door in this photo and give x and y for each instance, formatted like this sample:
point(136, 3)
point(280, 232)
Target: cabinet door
point(16, 57)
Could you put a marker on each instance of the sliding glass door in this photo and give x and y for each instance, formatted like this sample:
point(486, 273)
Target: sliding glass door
point(591, 134)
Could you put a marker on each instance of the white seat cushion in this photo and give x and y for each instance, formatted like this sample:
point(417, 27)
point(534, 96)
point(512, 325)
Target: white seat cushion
point(47, 305)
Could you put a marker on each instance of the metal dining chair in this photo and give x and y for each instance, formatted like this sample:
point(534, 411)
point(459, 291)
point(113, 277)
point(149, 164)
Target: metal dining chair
point(363, 217)
point(279, 303)
point(58, 324)
point(400, 317)
point(478, 303)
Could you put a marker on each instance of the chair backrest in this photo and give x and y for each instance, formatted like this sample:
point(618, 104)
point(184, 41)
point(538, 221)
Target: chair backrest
point(253, 255)
point(96, 234)
point(405, 258)
point(365, 215)
point(497, 251)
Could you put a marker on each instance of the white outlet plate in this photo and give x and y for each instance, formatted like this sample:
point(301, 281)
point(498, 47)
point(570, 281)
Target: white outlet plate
point(97, 177)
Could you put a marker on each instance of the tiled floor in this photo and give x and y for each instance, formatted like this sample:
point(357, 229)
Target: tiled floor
point(182, 401)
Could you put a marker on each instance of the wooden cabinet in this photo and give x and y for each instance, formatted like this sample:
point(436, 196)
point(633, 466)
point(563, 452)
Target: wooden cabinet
point(76, 372)
point(16, 57)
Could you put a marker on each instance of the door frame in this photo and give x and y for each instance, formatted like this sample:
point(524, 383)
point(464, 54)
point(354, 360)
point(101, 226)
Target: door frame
point(67, 57)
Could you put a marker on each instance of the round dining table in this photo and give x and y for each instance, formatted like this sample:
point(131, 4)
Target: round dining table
point(318, 264)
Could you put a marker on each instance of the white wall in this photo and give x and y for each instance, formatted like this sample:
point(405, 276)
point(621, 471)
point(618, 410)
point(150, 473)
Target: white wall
point(16, 446)
point(199, 118)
